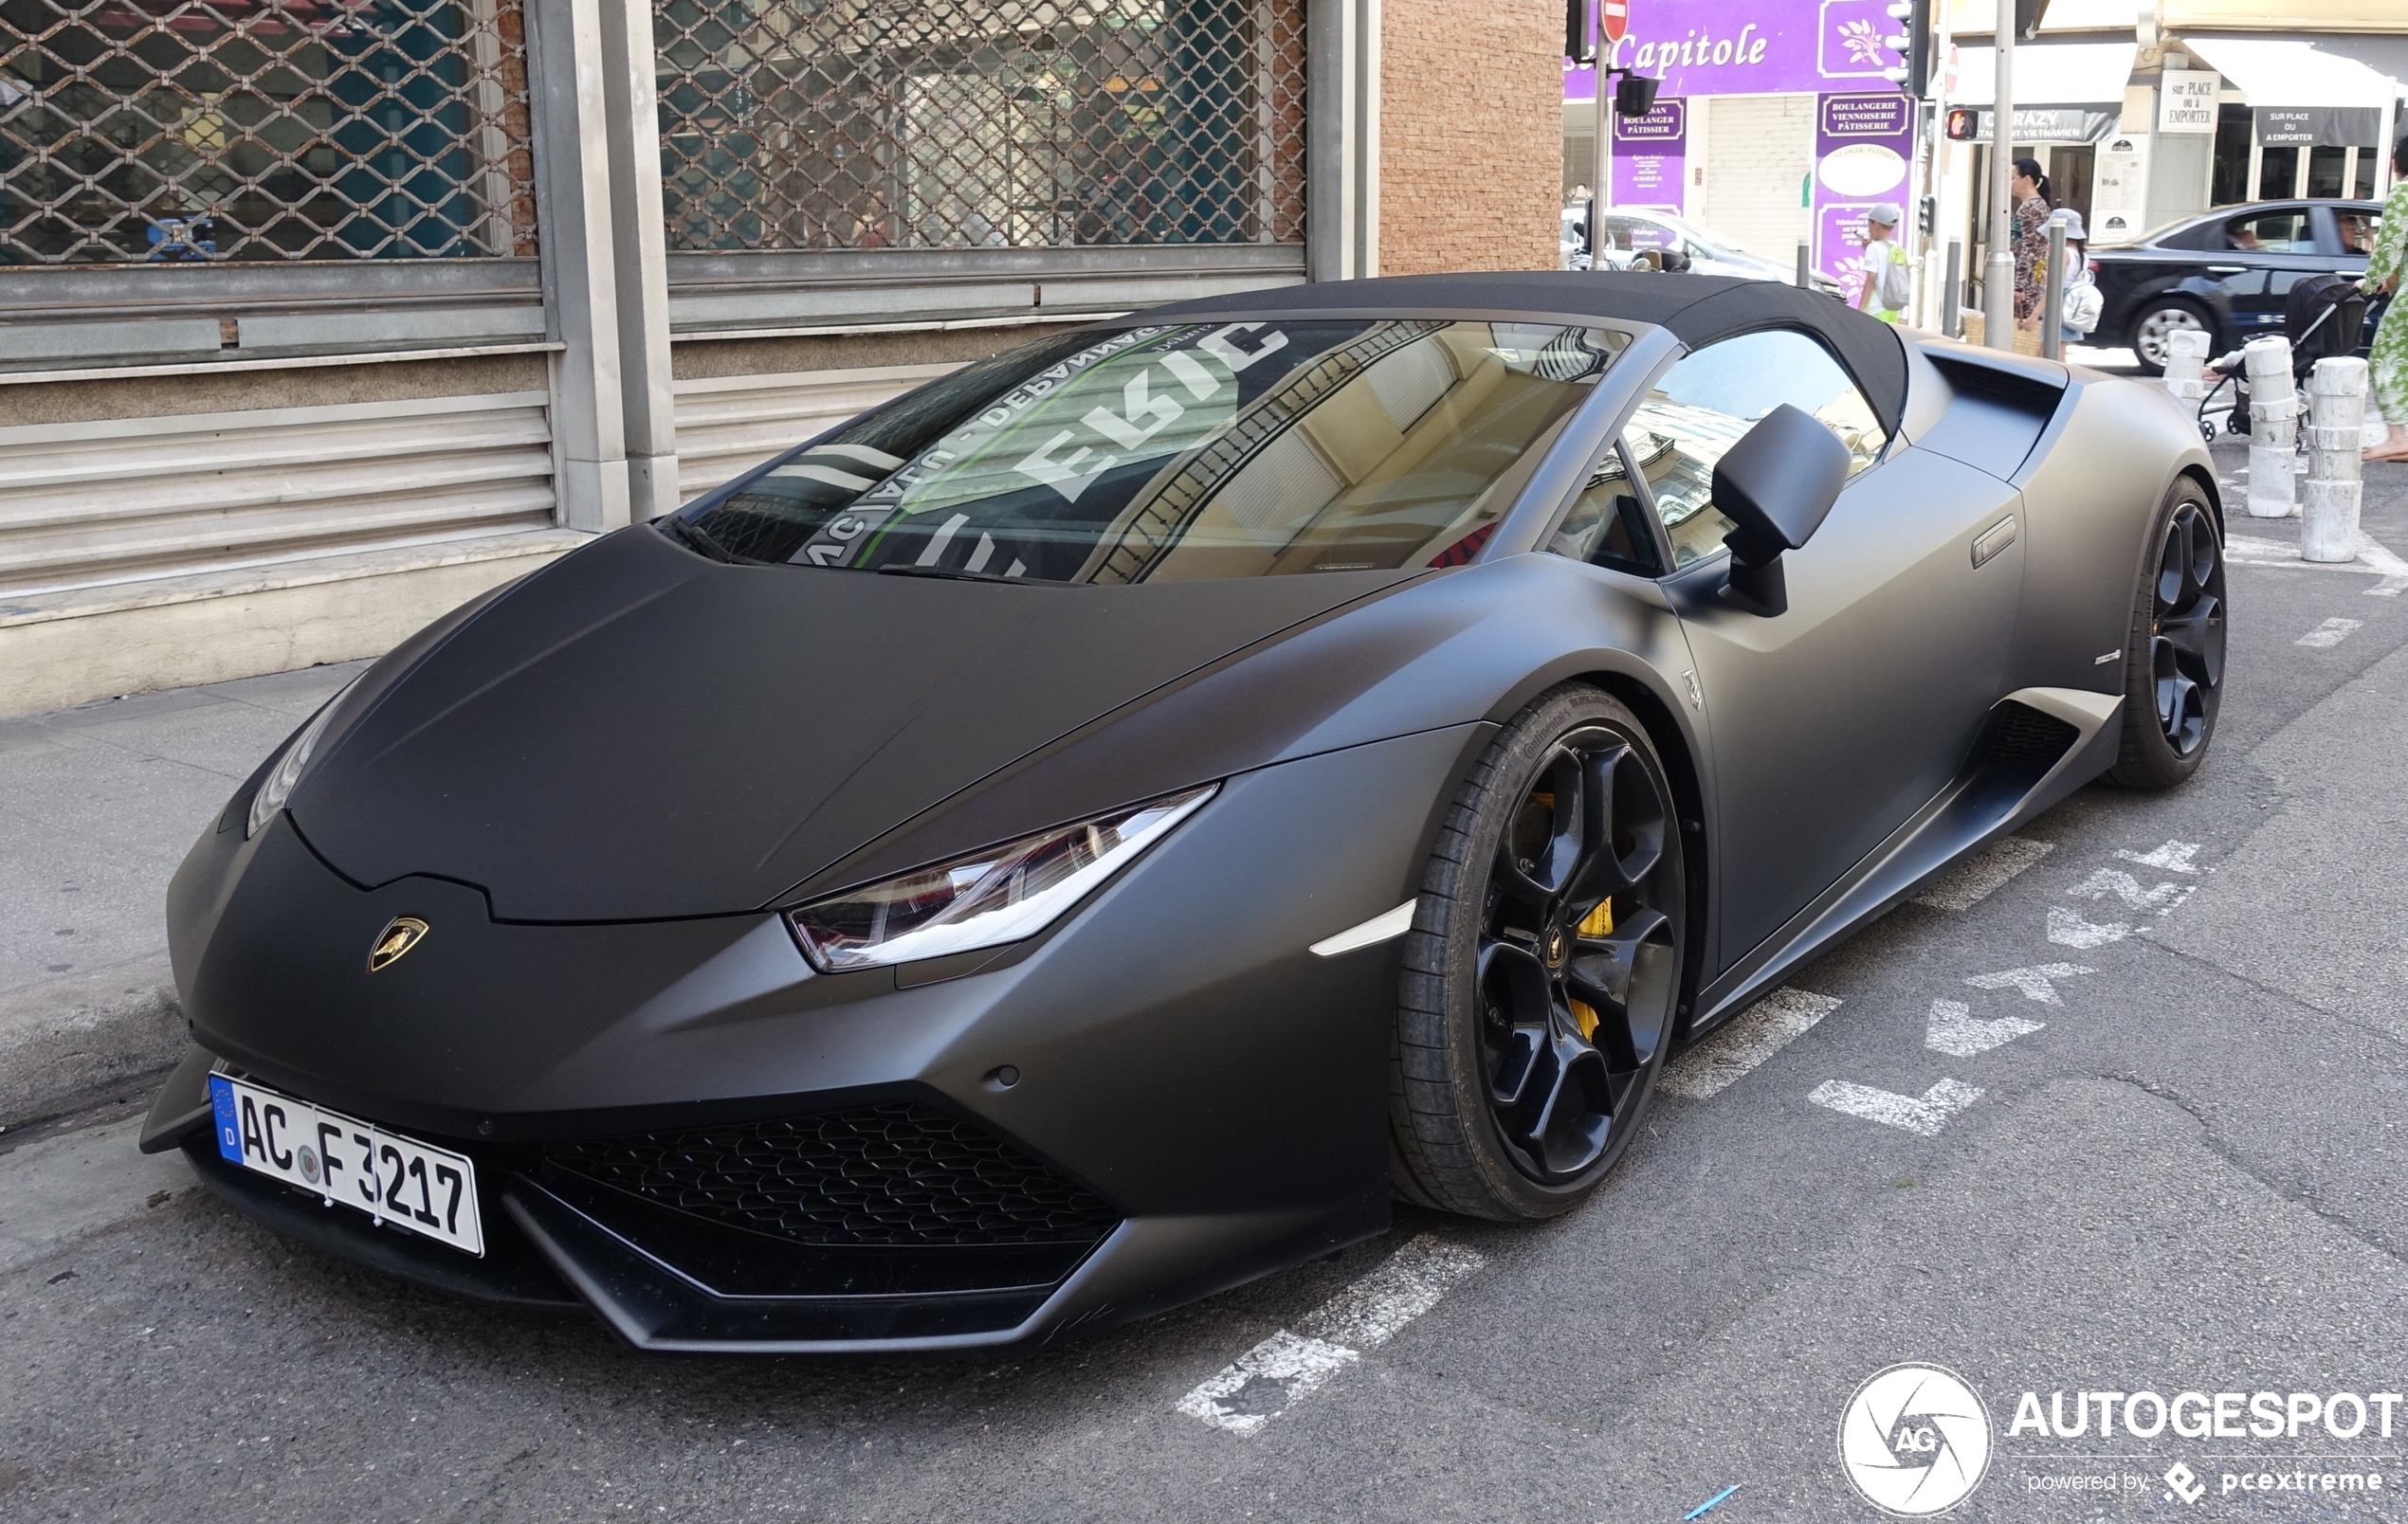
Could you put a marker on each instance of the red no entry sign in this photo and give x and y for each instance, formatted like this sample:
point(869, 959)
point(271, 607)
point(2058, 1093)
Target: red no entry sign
point(1614, 19)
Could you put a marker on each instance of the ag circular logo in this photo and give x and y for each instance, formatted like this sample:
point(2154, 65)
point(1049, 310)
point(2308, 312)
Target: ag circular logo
point(1915, 1439)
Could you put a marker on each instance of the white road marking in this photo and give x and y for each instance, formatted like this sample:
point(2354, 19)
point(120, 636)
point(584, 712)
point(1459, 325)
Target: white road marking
point(1974, 880)
point(1954, 1031)
point(2373, 560)
point(1922, 1116)
point(2174, 857)
point(1276, 1374)
point(2115, 882)
point(2066, 929)
point(2394, 569)
point(2329, 634)
point(1385, 927)
point(2037, 983)
point(1727, 1054)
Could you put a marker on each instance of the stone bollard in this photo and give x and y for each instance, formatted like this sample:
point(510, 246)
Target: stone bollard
point(2186, 366)
point(2336, 411)
point(2273, 426)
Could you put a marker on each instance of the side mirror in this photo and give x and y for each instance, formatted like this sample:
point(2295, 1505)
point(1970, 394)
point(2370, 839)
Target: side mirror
point(1778, 483)
point(1634, 94)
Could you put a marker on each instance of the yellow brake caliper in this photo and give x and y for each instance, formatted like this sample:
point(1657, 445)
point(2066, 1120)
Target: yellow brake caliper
point(1598, 923)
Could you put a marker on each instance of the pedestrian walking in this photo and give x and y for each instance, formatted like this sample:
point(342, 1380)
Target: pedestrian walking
point(2387, 362)
point(2029, 188)
point(2082, 302)
point(1885, 282)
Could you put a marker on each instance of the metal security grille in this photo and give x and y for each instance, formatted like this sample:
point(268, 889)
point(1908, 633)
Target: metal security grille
point(206, 130)
point(788, 124)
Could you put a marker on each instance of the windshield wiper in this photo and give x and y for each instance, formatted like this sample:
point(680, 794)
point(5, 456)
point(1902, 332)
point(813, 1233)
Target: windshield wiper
point(683, 531)
point(950, 576)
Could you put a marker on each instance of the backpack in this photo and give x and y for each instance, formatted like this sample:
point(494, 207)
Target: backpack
point(2083, 307)
point(1897, 284)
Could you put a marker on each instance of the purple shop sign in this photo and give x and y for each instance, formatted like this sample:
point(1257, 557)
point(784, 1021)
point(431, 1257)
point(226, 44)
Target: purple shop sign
point(1649, 158)
point(1750, 47)
point(1864, 145)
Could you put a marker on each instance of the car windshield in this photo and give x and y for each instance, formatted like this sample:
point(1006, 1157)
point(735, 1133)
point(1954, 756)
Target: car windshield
point(1180, 451)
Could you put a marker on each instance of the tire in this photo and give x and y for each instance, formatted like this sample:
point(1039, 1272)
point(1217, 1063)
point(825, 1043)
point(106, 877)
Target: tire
point(2160, 317)
point(2174, 655)
point(1543, 969)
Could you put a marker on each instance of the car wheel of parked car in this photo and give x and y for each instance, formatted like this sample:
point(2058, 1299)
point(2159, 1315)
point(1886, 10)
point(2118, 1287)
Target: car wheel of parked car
point(2159, 321)
point(2174, 659)
point(1543, 967)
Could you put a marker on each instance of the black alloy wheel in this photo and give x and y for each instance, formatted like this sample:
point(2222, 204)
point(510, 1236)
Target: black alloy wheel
point(1541, 984)
point(2174, 659)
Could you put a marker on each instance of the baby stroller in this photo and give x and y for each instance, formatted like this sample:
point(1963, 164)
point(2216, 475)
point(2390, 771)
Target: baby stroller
point(2323, 316)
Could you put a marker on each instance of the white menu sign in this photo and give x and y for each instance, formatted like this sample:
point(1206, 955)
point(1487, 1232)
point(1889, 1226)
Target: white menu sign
point(2120, 191)
point(2186, 102)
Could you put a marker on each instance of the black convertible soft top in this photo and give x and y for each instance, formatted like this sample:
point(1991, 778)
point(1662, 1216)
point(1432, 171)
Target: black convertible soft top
point(1698, 309)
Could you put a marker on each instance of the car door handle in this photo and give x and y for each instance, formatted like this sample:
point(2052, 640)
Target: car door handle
point(2228, 269)
point(1992, 540)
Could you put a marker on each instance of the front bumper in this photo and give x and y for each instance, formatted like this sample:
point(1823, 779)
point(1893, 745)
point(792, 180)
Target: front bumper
point(1215, 1094)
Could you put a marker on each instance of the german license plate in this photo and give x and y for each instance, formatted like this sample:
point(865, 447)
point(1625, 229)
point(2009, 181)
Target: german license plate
point(392, 1178)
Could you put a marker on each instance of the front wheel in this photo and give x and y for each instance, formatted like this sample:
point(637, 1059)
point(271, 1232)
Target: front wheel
point(2159, 319)
point(2174, 657)
point(1544, 967)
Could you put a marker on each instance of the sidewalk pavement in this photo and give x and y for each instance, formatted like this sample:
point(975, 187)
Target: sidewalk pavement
point(98, 806)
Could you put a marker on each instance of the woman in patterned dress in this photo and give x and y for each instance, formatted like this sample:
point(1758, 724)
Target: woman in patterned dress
point(2387, 363)
point(2029, 188)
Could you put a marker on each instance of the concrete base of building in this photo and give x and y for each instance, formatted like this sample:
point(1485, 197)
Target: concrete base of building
point(77, 645)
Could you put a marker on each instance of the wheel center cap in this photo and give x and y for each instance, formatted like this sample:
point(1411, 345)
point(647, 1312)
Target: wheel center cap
point(1552, 951)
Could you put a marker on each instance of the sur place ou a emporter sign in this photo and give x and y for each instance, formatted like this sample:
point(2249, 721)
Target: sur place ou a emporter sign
point(2318, 126)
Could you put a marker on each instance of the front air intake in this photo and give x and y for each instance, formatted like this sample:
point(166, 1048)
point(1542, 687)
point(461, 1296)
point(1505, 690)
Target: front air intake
point(897, 1175)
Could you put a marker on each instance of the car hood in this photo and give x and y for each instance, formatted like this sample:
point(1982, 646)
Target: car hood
point(638, 734)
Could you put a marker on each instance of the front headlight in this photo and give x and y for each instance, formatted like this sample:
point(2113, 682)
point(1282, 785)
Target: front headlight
point(986, 898)
point(278, 786)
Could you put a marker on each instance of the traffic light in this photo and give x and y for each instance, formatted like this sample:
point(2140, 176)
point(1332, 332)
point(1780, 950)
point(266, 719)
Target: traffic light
point(1964, 124)
point(1913, 45)
point(1578, 44)
point(2027, 18)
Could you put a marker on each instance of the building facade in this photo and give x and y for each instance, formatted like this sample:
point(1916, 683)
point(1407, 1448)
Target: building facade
point(1776, 121)
point(318, 316)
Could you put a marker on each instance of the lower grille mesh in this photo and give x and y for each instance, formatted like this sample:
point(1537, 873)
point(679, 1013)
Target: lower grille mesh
point(901, 1174)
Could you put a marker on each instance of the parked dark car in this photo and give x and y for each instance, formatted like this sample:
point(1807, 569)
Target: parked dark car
point(2228, 272)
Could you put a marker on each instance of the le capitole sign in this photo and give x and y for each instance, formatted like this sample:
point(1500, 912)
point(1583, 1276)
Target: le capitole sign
point(1699, 48)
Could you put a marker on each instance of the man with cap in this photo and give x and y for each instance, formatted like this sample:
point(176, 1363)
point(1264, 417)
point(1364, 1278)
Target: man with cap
point(1883, 273)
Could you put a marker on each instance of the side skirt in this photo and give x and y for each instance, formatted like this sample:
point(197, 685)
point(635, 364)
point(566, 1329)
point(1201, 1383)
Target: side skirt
point(2039, 746)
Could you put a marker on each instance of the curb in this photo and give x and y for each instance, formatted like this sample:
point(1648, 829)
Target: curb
point(85, 1032)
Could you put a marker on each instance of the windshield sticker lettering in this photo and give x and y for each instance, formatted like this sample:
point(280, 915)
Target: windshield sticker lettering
point(838, 537)
point(1063, 475)
point(1221, 343)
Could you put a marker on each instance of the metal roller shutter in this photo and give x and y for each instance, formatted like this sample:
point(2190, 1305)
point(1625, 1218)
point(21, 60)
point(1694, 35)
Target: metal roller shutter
point(728, 425)
point(125, 499)
point(1758, 151)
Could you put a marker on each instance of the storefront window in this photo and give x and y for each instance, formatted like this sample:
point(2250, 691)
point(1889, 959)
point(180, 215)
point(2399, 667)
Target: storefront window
point(980, 123)
point(217, 129)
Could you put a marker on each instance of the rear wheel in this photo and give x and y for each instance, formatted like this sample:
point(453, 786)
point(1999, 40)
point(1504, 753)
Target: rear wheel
point(2174, 657)
point(2159, 319)
point(1541, 974)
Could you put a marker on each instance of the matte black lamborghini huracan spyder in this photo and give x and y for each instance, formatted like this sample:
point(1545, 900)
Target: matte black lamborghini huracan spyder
point(1102, 825)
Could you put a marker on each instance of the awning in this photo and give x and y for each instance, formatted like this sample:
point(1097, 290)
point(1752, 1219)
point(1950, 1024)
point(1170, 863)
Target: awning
point(2291, 73)
point(2048, 74)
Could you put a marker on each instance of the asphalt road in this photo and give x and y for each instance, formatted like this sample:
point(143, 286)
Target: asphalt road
point(2168, 1161)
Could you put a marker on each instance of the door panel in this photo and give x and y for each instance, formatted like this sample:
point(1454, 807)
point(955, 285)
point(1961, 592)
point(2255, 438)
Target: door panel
point(1835, 721)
